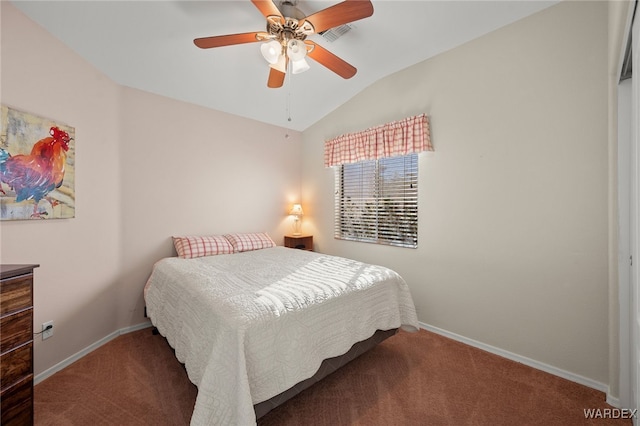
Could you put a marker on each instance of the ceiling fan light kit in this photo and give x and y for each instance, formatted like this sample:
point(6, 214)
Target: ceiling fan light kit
point(299, 66)
point(271, 51)
point(296, 50)
point(280, 64)
point(285, 41)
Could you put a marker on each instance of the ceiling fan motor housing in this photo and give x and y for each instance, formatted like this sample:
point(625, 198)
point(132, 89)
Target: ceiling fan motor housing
point(288, 8)
point(290, 29)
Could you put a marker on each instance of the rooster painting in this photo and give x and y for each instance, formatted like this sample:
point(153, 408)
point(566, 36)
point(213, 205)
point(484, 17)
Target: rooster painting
point(32, 177)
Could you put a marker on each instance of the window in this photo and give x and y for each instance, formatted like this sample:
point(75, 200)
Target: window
point(376, 201)
point(376, 181)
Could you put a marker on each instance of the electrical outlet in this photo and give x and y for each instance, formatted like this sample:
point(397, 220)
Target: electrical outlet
point(47, 329)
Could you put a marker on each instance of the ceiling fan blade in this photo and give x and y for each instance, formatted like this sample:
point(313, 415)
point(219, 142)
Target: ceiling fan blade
point(331, 61)
point(266, 7)
point(226, 40)
point(339, 14)
point(276, 78)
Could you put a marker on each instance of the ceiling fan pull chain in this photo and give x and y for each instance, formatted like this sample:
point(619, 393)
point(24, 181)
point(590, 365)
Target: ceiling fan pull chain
point(289, 84)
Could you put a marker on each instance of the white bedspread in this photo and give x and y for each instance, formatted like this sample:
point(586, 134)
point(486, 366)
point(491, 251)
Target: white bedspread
point(250, 325)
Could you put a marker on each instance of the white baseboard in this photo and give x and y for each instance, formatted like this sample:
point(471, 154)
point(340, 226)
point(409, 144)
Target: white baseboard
point(527, 361)
point(613, 401)
point(73, 358)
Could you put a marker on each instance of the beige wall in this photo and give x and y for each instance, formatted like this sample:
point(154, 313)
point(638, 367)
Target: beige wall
point(79, 258)
point(513, 238)
point(186, 170)
point(147, 168)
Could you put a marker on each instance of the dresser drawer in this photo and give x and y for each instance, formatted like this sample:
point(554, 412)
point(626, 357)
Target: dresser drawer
point(16, 294)
point(17, 329)
point(16, 364)
point(17, 403)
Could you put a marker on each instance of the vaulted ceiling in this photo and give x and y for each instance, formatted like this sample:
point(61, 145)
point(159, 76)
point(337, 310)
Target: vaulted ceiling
point(148, 45)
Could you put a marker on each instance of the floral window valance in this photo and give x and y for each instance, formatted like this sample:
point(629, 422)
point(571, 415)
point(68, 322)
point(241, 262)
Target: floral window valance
point(410, 135)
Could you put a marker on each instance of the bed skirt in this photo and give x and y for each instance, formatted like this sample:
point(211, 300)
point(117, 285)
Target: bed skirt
point(327, 367)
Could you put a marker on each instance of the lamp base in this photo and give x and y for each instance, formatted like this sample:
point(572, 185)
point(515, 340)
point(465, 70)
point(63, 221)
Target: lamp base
point(296, 226)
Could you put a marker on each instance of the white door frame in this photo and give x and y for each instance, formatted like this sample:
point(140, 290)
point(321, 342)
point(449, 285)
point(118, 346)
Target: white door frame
point(628, 226)
point(635, 210)
point(624, 240)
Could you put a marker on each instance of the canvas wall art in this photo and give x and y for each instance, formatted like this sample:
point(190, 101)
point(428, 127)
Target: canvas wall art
point(37, 167)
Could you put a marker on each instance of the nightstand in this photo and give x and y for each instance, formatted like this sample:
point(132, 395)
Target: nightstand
point(303, 242)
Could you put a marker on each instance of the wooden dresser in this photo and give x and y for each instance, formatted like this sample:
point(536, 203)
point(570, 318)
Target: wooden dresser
point(16, 344)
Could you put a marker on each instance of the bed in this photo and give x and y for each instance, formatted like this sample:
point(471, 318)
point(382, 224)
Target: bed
point(254, 326)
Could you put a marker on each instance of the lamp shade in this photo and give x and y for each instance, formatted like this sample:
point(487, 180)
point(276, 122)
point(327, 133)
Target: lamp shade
point(296, 210)
point(271, 51)
point(281, 64)
point(296, 50)
point(299, 66)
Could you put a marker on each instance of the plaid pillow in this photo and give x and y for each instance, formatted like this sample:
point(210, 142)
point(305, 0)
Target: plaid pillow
point(250, 241)
point(190, 247)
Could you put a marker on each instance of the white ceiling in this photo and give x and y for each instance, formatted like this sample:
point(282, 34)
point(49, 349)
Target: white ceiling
point(148, 45)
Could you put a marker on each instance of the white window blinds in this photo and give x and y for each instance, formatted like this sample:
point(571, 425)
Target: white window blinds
point(376, 201)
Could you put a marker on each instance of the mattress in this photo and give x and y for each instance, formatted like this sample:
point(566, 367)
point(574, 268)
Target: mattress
point(250, 325)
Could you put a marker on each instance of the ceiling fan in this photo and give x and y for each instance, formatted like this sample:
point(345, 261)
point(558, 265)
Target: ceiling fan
point(285, 41)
